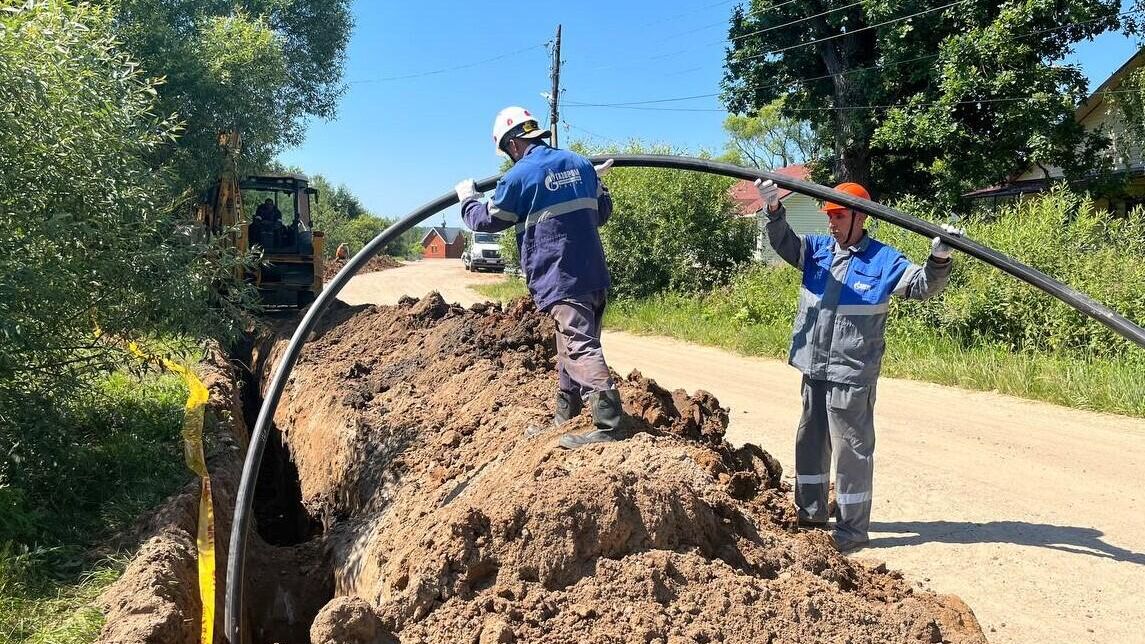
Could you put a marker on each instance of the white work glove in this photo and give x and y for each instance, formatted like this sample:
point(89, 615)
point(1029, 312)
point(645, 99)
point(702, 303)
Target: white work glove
point(769, 192)
point(941, 249)
point(467, 189)
point(603, 168)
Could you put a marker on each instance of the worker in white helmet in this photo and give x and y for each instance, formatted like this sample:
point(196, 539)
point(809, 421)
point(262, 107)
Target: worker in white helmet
point(555, 201)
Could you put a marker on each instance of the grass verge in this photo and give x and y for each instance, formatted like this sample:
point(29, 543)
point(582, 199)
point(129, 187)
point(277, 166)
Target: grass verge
point(81, 477)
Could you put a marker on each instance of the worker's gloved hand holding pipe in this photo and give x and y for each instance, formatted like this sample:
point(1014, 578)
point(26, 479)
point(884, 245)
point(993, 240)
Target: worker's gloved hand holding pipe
point(769, 193)
point(940, 249)
point(467, 189)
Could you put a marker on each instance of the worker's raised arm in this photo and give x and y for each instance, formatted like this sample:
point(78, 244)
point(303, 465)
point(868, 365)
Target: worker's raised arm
point(787, 244)
point(921, 282)
point(493, 217)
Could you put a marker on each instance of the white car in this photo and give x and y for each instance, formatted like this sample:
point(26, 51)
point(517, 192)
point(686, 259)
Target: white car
point(484, 253)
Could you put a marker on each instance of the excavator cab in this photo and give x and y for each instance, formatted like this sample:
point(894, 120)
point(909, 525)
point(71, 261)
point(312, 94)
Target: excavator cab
point(278, 207)
point(271, 212)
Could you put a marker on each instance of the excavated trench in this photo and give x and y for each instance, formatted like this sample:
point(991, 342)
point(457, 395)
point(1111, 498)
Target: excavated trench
point(280, 517)
point(444, 522)
point(400, 500)
point(293, 576)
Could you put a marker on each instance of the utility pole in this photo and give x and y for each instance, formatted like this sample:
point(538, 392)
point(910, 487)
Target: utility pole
point(554, 113)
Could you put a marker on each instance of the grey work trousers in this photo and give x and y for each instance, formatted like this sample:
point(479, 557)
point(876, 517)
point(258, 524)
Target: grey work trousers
point(580, 358)
point(838, 420)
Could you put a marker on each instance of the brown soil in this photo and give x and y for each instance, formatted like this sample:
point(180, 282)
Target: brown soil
point(376, 263)
point(406, 425)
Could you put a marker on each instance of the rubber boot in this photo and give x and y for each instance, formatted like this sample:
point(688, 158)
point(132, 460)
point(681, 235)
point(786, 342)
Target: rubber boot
point(567, 407)
point(607, 414)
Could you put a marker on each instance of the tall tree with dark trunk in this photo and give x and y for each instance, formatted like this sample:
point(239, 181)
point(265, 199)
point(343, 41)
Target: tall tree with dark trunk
point(926, 98)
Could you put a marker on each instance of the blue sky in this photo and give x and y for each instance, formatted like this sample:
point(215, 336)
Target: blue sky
point(407, 131)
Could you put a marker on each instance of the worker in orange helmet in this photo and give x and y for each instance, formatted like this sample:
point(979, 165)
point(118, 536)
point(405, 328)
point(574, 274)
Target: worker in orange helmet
point(848, 279)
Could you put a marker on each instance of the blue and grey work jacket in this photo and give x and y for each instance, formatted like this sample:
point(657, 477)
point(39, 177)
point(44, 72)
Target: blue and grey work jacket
point(841, 323)
point(555, 201)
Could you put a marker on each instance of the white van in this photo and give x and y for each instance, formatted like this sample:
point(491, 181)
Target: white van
point(484, 253)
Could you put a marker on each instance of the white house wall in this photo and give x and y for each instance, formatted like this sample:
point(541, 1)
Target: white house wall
point(804, 217)
point(1103, 116)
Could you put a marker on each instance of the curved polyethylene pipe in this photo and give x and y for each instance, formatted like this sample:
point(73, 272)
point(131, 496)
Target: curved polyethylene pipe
point(245, 499)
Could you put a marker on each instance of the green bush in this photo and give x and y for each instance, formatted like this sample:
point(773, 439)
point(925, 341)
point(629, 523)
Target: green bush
point(760, 294)
point(1060, 234)
point(90, 467)
point(264, 66)
point(344, 219)
point(671, 230)
point(509, 251)
point(358, 232)
point(84, 472)
point(91, 242)
point(86, 223)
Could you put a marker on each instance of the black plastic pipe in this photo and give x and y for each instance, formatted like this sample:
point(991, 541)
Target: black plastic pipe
point(245, 499)
point(1080, 301)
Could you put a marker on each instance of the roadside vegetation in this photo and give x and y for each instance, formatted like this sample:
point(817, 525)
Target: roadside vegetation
point(108, 137)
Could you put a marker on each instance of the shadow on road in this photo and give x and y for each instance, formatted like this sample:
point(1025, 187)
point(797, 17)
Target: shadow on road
point(1082, 541)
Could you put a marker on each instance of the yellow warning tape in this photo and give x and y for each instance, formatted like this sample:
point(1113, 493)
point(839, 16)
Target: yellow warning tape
point(197, 462)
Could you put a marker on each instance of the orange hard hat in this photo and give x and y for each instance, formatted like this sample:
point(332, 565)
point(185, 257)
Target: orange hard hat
point(853, 189)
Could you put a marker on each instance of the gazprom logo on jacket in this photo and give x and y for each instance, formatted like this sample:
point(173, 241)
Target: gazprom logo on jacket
point(555, 180)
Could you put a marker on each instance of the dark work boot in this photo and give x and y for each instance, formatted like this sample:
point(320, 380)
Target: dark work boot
point(567, 407)
point(607, 415)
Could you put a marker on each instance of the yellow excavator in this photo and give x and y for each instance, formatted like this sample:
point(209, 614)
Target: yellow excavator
point(290, 273)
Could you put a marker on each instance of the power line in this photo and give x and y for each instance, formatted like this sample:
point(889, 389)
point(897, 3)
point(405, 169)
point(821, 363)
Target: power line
point(856, 70)
point(854, 107)
point(724, 23)
point(965, 102)
point(760, 31)
point(685, 50)
point(851, 33)
point(788, 24)
point(606, 139)
point(449, 69)
point(897, 63)
point(570, 104)
point(680, 15)
point(647, 102)
point(672, 18)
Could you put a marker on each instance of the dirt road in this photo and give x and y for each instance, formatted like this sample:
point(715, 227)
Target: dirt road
point(1028, 511)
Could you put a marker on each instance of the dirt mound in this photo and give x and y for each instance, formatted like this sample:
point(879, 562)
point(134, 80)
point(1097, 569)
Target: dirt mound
point(406, 425)
point(376, 263)
point(348, 620)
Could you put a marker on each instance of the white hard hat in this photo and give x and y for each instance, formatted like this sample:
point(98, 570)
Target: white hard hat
point(517, 122)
